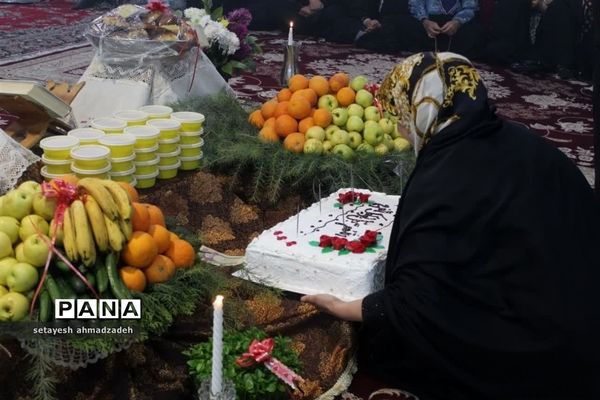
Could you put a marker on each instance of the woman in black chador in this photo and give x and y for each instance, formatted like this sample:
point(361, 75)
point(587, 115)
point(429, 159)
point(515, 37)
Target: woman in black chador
point(493, 265)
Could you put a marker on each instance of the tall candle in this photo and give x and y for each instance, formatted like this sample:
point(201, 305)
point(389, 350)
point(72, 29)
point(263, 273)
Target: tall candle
point(216, 383)
point(291, 34)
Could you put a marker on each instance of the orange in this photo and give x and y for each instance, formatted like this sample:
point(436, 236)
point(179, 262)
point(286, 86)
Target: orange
point(284, 125)
point(305, 124)
point(133, 278)
point(69, 178)
point(307, 94)
point(322, 117)
point(338, 81)
point(156, 215)
point(299, 108)
point(173, 236)
point(133, 194)
point(140, 217)
point(161, 236)
point(161, 270)
point(268, 134)
point(298, 82)
point(140, 250)
point(270, 123)
point(268, 109)
point(284, 94)
point(319, 84)
point(281, 109)
point(256, 119)
point(181, 253)
point(345, 96)
point(294, 142)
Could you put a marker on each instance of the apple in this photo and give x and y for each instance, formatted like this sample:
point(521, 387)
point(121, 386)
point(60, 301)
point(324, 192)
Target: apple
point(6, 248)
point(373, 133)
point(328, 102)
point(381, 149)
point(13, 307)
point(401, 144)
point(31, 187)
point(355, 110)
point(358, 83)
point(5, 265)
point(1, 202)
point(340, 116)
point(19, 255)
point(3, 290)
point(22, 277)
point(343, 151)
point(10, 226)
point(387, 126)
point(35, 250)
point(388, 141)
point(355, 139)
point(364, 98)
point(372, 114)
point(17, 204)
point(329, 131)
point(315, 132)
point(44, 206)
point(327, 146)
point(314, 146)
point(355, 124)
point(340, 137)
point(31, 225)
point(59, 232)
point(366, 148)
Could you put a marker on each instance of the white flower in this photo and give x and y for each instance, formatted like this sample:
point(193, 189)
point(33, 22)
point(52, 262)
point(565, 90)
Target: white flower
point(193, 12)
point(225, 39)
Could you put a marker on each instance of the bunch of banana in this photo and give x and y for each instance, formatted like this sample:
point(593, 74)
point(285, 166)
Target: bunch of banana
point(101, 221)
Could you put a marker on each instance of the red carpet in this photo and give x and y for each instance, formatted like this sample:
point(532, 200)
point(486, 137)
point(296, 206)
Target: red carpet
point(49, 13)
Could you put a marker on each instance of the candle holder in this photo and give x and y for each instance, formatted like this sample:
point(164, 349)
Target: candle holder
point(227, 392)
point(290, 63)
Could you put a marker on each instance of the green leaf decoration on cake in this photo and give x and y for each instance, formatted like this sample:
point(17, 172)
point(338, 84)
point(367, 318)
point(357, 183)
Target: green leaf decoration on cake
point(377, 247)
point(328, 249)
point(370, 250)
point(370, 202)
point(314, 243)
point(337, 205)
point(343, 252)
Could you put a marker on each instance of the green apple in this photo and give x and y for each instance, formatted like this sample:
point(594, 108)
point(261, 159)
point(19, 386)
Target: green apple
point(58, 231)
point(17, 204)
point(329, 131)
point(10, 226)
point(1, 207)
point(358, 83)
point(32, 225)
point(22, 277)
point(31, 187)
point(355, 139)
point(44, 206)
point(5, 265)
point(343, 151)
point(401, 144)
point(327, 146)
point(6, 248)
point(35, 250)
point(13, 307)
point(340, 116)
point(355, 124)
point(366, 148)
point(387, 126)
point(364, 98)
point(373, 133)
point(20, 255)
point(355, 110)
point(372, 114)
point(381, 149)
point(328, 102)
point(3, 290)
point(340, 137)
point(388, 141)
point(315, 132)
point(314, 146)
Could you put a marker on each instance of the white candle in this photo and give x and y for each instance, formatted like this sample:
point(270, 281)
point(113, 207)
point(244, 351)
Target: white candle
point(291, 34)
point(216, 383)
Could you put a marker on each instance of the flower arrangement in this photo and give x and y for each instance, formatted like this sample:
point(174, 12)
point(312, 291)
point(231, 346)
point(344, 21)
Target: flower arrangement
point(227, 43)
point(367, 243)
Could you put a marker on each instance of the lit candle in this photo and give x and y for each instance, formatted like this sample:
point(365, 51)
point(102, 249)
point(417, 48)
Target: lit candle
point(291, 34)
point(216, 383)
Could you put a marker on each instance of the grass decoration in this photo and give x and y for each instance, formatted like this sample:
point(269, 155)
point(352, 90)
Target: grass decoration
point(269, 171)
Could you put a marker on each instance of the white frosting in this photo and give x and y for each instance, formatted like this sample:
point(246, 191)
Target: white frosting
point(303, 268)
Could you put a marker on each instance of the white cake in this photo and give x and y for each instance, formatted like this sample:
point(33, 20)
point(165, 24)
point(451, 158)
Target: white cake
point(292, 257)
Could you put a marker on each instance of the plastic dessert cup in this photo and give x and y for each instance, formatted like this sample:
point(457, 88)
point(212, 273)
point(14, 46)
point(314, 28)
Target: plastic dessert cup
point(90, 157)
point(120, 145)
point(168, 145)
point(191, 137)
point(109, 125)
point(190, 150)
point(156, 111)
point(86, 135)
point(146, 167)
point(58, 147)
point(132, 117)
point(123, 176)
point(168, 171)
point(101, 173)
point(60, 167)
point(146, 154)
point(122, 164)
point(146, 181)
point(188, 163)
point(169, 128)
point(49, 176)
point(190, 121)
point(145, 136)
point(169, 158)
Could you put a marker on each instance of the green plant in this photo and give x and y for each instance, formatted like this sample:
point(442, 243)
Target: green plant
point(255, 382)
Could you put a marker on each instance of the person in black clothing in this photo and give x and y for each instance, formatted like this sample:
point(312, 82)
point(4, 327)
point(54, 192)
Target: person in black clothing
point(491, 281)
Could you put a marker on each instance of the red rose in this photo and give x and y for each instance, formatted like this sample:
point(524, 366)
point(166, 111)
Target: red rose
point(356, 246)
point(363, 197)
point(369, 238)
point(345, 197)
point(338, 243)
point(325, 241)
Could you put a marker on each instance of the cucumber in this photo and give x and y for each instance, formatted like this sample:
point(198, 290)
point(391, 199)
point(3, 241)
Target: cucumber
point(45, 306)
point(91, 279)
point(65, 290)
point(77, 284)
point(52, 287)
point(101, 278)
point(117, 287)
point(62, 266)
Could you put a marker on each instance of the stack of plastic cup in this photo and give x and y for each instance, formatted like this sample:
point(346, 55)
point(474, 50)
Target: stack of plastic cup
point(190, 121)
point(121, 146)
point(146, 158)
point(123, 169)
point(169, 128)
point(57, 155)
point(86, 135)
point(109, 125)
point(145, 136)
point(157, 112)
point(91, 160)
point(132, 117)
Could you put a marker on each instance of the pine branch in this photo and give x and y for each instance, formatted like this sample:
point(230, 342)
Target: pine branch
point(40, 374)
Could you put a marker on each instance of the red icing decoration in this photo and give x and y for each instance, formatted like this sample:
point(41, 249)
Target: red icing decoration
point(288, 244)
point(351, 197)
point(157, 5)
point(277, 233)
point(356, 246)
point(281, 237)
point(338, 243)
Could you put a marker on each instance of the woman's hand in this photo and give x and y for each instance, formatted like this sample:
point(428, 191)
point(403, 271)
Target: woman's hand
point(371, 24)
point(432, 28)
point(346, 310)
point(451, 27)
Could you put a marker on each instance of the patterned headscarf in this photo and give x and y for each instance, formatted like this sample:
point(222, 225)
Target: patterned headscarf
point(430, 91)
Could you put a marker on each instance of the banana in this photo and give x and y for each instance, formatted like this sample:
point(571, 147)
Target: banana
point(94, 188)
point(126, 228)
point(83, 234)
point(120, 196)
point(96, 218)
point(115, 236)
point(69, 237)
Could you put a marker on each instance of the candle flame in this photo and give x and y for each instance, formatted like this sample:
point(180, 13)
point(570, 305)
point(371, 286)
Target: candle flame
point(218, 301)
point(291, 24)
